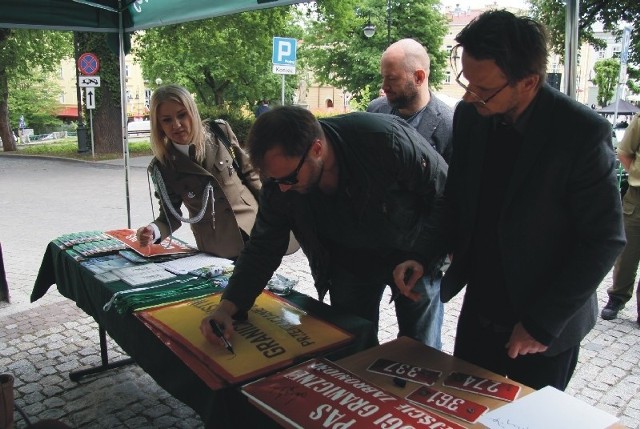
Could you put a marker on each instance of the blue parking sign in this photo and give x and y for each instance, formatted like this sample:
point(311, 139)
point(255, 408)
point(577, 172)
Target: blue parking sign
point(284, 51)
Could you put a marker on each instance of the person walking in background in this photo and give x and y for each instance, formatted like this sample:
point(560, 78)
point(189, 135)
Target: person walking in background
point(533, 205)
point(360, 191)
point(626, 266)
point(263, 106)
point(405, 67)
point(193, 166)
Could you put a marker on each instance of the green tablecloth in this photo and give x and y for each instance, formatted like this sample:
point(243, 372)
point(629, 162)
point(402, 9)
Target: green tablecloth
point(226, 407)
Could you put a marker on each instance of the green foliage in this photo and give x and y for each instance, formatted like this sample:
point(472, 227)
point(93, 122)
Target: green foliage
point(240, 123)
point(68, 148)
point(609, 13)
point(23, 50)
point(23, 54)
point(342, 56)
point(224, 60)
point(36, 97)
point(606, 78)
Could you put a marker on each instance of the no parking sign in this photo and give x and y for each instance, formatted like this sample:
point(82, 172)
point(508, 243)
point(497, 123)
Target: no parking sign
point(88, 64)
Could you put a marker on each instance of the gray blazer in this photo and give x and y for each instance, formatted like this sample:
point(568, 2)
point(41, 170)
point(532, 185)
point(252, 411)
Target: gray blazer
point(560, 228)
point(435, 125)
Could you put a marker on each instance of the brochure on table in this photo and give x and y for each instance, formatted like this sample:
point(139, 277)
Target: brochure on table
point(169, 246)
point(275, 334)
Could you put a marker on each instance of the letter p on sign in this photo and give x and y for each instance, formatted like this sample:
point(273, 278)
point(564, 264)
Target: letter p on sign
point(284, 51)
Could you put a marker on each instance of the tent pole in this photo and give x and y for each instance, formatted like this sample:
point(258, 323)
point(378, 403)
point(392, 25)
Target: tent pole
point(571, 48)
point(123, 104)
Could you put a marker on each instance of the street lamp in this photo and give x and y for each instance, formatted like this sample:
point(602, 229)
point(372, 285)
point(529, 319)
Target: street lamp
point(370, 29)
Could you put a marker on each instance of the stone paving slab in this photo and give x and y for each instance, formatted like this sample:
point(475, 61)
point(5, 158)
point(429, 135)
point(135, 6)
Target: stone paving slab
point(41, 342)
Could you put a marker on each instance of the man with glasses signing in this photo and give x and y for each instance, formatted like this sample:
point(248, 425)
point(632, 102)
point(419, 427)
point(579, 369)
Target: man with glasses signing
point(361, 192)
point(534, 205)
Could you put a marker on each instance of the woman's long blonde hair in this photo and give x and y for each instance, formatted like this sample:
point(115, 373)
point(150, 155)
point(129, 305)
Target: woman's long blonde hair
point(159, 141)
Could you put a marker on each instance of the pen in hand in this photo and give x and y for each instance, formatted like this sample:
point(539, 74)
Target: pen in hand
point(220, 334)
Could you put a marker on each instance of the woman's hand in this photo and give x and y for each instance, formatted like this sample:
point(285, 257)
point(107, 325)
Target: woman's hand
point(145, 235)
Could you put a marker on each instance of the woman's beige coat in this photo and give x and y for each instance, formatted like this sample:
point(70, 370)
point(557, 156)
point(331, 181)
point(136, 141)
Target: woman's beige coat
point(236, 205)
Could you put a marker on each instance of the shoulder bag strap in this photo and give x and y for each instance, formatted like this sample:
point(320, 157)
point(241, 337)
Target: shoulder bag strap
point(225, 140)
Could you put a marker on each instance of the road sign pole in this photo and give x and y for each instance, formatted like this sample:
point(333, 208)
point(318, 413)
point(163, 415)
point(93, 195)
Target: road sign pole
point(284, 58)
point(282, 95)
point(93, 152)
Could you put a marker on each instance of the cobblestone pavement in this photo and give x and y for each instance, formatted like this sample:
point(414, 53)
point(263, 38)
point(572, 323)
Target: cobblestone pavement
point(41, 342)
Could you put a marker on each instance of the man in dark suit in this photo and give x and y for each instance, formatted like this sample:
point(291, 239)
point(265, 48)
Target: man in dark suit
point(534, 205)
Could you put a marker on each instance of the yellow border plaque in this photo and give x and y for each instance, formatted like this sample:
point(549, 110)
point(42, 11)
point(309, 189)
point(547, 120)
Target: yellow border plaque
point(276, 334)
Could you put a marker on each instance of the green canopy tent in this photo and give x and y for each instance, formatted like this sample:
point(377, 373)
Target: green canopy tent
point(121, 17)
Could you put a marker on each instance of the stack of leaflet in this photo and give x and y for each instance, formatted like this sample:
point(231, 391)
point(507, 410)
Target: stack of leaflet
point(81, 245)
point(142, 274)
point(201, 262)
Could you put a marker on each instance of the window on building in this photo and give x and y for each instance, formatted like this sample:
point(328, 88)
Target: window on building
point(447, 77)
point(61, 98)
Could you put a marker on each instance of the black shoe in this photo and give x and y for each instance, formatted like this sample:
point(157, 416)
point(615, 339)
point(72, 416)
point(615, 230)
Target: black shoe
point(610, 311)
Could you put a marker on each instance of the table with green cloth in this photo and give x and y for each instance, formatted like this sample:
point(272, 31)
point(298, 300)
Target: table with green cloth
point(225, 407)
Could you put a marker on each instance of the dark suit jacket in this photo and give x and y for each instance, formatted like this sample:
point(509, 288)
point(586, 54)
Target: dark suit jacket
point(435, 125)
point(560, 228)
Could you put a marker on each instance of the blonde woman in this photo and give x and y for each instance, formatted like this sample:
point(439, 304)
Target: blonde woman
point(193, 166)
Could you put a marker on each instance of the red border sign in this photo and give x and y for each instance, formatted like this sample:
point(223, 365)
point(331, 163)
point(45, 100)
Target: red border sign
point(88, 64)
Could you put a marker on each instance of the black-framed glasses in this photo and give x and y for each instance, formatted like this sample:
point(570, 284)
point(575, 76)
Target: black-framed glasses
point(291, 179)
point(475, 98)
point(454, 57)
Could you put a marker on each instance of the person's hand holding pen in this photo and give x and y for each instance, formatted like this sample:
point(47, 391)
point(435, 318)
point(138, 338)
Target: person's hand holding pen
point(405, 276)
point(220, 318)
point(144, 234)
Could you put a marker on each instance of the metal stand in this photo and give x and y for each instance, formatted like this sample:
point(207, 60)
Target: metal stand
point(4, 286)
point(105, 365)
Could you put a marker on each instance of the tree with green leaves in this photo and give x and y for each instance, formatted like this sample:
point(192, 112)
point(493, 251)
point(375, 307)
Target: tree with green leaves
point(22, 52)
point(225, 61)
point(609, 13)
point(34, 96)
point(606, 78)
point(341, 55)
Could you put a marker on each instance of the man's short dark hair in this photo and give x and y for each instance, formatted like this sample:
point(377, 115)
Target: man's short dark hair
point(292, 128)
point(517, 44)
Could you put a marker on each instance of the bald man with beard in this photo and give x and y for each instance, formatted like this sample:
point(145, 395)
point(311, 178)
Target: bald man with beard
point(405, 67)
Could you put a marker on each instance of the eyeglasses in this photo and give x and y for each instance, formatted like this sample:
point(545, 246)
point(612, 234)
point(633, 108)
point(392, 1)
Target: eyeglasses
point(475, 98)
point(290, 179)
